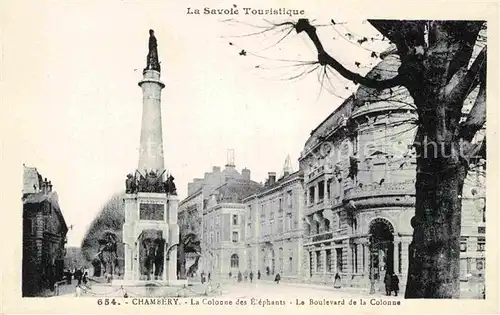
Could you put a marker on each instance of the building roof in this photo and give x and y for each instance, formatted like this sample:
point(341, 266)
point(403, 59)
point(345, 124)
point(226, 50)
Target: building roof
point(235, 191)
point(371, 100)
point(332, 123)
point(49, 197)
point(266, 189)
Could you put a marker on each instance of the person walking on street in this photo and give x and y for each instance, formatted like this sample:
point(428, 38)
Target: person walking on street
point(388, 284)
point(209, 277)
point(395, 284)
point(277, 278)
point(78, 276)
point(78, 291)
point(258, 275)
point(251, 276)
point(202, 275)
point(85, 278)
point(240, 276)
point(337, 282)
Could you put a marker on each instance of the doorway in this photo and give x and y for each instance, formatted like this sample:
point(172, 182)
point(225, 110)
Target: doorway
point(381, 248)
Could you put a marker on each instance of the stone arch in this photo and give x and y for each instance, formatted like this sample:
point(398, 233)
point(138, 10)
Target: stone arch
point(382, 220)
point(381, 232)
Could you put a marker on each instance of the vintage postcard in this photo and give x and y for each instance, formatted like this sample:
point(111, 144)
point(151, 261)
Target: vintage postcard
point(237, 157)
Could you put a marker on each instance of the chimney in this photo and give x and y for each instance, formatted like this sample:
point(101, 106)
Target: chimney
point(44, 185)
point(216, 169)
point(245, 173)
point(49, 186)
point(271, 178)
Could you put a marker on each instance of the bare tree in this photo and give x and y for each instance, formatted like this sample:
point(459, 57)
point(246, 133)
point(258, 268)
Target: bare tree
point(439, 69)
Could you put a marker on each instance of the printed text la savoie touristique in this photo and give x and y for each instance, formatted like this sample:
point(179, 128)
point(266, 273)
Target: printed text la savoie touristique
point(235, 10)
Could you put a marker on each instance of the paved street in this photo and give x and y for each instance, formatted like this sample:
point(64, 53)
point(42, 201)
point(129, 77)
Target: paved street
point(286, 290)
point(263, 289)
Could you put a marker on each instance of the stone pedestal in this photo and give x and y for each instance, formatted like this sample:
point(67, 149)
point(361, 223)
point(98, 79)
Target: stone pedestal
point(144, 212)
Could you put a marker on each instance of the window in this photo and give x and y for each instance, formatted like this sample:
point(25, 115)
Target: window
point(217, 237)
point(328, 260)
point(338, 220)
point(481, 244)
point(463, 244)
point(280, 226)
point(318, 261)
point(328, 190)
point(355, 263)
point(481, 229)
point(327, 225)
point(290, 264)
point(280, 204)
point(289, 199)
point(280, 259)
point(339, 259)
point(311, 195)
point(317, 227)
point(235, 219)
point(235, 237)
point(400, 251)
point(235, 261)
point(479, 263)
point(321, 190)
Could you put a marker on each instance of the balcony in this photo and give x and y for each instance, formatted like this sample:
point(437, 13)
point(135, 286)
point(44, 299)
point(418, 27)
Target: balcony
point(376, 190)
point(326, 236)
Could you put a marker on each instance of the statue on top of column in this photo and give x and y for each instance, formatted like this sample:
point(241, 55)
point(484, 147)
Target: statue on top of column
point(152, 58)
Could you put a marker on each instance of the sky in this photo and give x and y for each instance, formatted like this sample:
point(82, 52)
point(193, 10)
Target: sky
point(70, 71)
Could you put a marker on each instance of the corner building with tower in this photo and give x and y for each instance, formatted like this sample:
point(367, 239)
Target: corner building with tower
point(347, 210)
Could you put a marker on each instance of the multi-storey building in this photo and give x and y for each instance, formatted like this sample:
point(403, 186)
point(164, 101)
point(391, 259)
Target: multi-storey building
point(224, 228)
point(359, 180)
point(193, 209)
point(44, 234)
point(274, 226)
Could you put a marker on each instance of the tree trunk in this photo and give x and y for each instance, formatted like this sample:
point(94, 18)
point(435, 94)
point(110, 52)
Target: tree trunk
point(434, 254)
point(181, 259)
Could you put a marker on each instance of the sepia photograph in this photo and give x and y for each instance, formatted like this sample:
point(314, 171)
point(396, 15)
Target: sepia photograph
point(269, 156)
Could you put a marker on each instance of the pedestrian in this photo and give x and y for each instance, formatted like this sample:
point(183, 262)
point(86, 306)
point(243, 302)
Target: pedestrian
point(337, 284)
point(56, 288)
point(202, 275)
point(395, 283)
point(251, 276)
point(240, 276)
point(277, 278)
point(246, 275)
point(209, 277)
point(78, 276)
point(258, 275)
point(388, 284)
point(78, 291)
point(85, 278)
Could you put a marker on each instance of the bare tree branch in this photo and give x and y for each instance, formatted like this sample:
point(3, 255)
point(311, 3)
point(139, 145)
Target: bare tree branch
point(474, 75)
point(406, 35)
point(477, 116)
point(325, 59)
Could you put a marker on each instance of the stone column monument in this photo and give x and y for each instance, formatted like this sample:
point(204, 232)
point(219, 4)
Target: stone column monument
point(151, 232)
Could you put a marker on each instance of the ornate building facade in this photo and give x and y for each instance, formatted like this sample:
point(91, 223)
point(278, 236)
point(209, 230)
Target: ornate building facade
point(359, 179)
point(44, 235)
point(274, 226)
